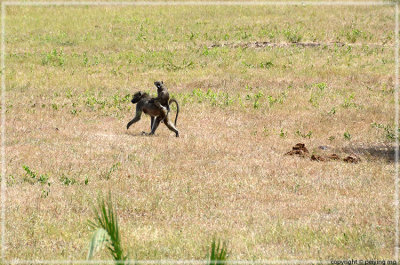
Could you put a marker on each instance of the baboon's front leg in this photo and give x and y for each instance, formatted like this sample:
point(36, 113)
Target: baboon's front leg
point(152, 123)
point(151, 126)
point(136, 119)
point(155, 125)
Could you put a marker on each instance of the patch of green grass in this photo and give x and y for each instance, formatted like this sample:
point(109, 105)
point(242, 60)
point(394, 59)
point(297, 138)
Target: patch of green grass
point(67, 181)
point(292, 35)
point(389, 131)
point(34, 177)
point(55, 58)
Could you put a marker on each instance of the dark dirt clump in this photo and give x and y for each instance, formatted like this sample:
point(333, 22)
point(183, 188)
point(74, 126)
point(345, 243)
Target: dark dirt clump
point(301, 150)
point(352, 159)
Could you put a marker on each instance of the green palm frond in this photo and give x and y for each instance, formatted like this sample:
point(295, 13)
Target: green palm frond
point(106, 219)
point(218, 253)
point(99, 239)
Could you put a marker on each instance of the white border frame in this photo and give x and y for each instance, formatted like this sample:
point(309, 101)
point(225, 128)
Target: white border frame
point(195, 3)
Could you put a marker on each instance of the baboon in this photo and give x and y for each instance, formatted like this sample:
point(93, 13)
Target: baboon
point(146, 104)
point(162, 99)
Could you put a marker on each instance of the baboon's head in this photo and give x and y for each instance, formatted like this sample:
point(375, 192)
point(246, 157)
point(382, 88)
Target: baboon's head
point(159, 85)
point(137, 97)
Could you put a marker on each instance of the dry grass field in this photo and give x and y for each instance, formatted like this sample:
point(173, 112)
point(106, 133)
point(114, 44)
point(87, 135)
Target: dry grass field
point(70, 74)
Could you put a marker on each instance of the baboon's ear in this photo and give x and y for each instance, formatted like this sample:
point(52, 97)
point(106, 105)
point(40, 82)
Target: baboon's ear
point(162, 82)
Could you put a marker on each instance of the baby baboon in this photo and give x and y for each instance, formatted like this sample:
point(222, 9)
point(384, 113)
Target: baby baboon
point(162, 99)
point(146, 104)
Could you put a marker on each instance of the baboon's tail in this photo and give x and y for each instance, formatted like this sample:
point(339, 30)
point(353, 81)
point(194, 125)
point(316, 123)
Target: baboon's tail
point(177, 108)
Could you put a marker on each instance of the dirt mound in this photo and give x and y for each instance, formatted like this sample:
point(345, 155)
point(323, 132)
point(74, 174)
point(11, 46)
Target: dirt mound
point(301, 150)
point(352, 159)
point(324, 158)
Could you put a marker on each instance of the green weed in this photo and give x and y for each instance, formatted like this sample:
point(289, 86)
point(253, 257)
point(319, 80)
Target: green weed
point(308, 135)
point(266, 65)
point(67, 181)
point(113, 168)
point(33, 178)
point(257, 97)
point(42, 178)
point(349, 102)
point(353, 35)
point(283, 134)
point(347, 135)
point(317, 92)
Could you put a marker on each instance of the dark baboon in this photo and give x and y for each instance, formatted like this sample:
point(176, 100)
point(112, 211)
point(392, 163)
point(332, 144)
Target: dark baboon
point(162, 101)
point(146, 104)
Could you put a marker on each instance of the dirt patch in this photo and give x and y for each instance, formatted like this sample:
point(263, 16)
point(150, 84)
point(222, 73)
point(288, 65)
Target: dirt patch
point(379, 151)
point(301, 150)
point(263, 44)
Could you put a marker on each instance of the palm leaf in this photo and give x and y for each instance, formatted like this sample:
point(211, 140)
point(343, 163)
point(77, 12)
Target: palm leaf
point(218, 253)
point(105, 218)
point(99, 239)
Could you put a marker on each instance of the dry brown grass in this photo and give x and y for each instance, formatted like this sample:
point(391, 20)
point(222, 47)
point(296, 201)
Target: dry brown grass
point(227, 174)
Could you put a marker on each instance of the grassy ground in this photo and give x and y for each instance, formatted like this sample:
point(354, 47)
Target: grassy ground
point(70, 74)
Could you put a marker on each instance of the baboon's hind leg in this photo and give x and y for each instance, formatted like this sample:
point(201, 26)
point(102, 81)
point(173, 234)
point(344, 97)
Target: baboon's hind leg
point(163, 109)
point(171, 126)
